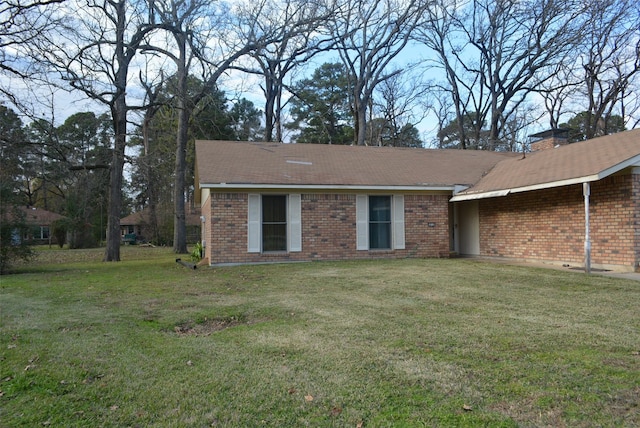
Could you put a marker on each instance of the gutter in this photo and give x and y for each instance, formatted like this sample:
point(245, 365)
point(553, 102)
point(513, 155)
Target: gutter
point(470, 196)
point(504, 192)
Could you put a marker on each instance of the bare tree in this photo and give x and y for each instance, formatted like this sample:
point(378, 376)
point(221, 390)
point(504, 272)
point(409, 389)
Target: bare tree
point(610, 60)
point(558, 91)
point(495, 53)
point(93, 53)
point(275, 61)
point(402, 104)
point(369, 35)
point(20, 23)
point(153, 85)
point(441, 33)
point(180, 21)
point(208, 39)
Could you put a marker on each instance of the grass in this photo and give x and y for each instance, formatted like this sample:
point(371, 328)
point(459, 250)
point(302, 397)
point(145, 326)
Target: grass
point(147, 342)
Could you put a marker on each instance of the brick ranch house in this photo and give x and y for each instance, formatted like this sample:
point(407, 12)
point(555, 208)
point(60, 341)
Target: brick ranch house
point(40, 223)
point(269, 202)
point(140, 224)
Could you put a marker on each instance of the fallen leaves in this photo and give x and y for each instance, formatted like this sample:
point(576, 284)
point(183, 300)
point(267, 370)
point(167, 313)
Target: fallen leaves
point(89, 379)
point(32, 363)
point(334, 411)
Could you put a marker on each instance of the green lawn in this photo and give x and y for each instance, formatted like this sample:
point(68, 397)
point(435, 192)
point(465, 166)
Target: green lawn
point(407, 343)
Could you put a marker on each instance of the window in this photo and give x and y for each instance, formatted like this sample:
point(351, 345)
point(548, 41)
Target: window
point(379, 222)
point(274, 223)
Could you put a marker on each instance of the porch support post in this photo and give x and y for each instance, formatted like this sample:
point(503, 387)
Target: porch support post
point(586, 190)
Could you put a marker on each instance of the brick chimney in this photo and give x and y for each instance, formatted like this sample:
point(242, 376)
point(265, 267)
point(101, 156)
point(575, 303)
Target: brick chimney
point(549, 139)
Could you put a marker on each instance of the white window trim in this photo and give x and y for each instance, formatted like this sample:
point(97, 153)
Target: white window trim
point(254, 223)
point(294, 223)
point(397, 222)
point(362, 222)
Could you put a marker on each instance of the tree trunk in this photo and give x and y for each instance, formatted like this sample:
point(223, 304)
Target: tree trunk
point(269, 109)
point(361, 122)
point(112, 252)
point(278, 115)
point(184, 112)
point(179, 224)
point(119, 115)
point(152, 196)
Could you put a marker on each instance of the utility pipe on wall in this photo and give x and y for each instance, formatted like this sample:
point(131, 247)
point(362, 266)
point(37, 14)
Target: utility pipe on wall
point(586, 190)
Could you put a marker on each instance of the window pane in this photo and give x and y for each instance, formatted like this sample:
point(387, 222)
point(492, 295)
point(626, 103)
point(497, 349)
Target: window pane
point(379, 208)
point(274, 237)
point(274, 209)
point(274, 223)
point(379, 222)
point(380, 235)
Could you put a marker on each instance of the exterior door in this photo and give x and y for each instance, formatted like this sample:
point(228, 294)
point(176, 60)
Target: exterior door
point(468, 228)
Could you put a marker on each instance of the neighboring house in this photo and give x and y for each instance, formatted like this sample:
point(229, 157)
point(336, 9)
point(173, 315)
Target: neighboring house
point(268, 202)
point(136, 227)
point(133, 227)
point(40, 224)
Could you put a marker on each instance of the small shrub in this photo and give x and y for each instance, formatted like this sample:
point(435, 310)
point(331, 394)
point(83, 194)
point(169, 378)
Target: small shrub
point(59, 230)
point(12, 230)
point(196, 253)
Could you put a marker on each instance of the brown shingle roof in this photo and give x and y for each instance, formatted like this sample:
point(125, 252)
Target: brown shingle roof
point(573, 163)
point(142, 217)
point(40, 217)
point(238, 164)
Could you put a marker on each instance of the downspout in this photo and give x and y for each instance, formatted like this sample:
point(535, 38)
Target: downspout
point(586, 190)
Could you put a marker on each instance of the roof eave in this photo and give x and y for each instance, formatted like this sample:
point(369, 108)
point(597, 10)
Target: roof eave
point(631, 162)
point(541, 186)
point(470, 196)
point(315, 187)
point(579, 180)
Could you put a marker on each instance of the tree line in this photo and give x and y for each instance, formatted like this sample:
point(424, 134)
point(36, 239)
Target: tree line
point(163, 72)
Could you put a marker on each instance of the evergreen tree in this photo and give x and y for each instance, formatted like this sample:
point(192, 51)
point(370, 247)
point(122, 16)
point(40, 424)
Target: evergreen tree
point(321, 110)
point(12, 222)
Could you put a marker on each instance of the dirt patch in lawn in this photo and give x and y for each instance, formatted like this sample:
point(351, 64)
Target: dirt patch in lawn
point(207, 326)
point(625, 405)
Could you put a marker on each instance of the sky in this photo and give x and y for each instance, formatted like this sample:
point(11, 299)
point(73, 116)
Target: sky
point(59, 104)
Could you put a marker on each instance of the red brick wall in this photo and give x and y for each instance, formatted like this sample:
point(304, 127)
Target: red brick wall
point(548, 143)
point(549, 224)
point(426, 219)
point(328, 229)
